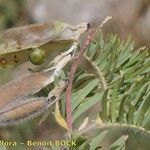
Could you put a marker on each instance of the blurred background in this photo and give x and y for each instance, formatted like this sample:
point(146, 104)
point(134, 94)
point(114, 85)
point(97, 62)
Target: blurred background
point(129, 17)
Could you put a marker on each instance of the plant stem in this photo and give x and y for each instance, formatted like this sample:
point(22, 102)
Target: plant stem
point(76, 60)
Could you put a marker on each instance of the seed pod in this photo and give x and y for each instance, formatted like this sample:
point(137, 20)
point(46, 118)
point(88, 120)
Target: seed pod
point(23, 86)
point(50, 37)
point(28, 110)
point(28, 107)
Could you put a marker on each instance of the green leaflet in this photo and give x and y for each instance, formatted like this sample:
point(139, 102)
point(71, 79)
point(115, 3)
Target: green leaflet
point(140, 114)
point(114, 99)
point(118, 144)
point(146, 121)
point(104, 111)
point(96, 141)
point(80, 95)
point(84, 106)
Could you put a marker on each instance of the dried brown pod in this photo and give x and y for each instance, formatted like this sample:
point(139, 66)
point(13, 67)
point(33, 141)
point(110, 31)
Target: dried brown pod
point(34, 81)
point(25, 108)
point(19, 42)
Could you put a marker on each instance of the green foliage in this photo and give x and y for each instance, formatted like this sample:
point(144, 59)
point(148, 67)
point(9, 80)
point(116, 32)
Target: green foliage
point(120, 83)
point(119, 144)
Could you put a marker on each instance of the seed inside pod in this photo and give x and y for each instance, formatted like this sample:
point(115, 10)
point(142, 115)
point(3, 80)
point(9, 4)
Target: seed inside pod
point(37, 56)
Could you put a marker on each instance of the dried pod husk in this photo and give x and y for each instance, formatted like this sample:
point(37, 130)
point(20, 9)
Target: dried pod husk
point(25, 85)
point(15, 43)
point(27, 108)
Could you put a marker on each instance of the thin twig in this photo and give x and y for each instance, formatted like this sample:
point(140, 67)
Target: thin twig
point(125, 128)
point(76, 60)
point(75, 63)
point(99, 72)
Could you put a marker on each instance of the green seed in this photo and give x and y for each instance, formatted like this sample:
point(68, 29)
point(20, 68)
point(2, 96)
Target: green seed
point(37, 56)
